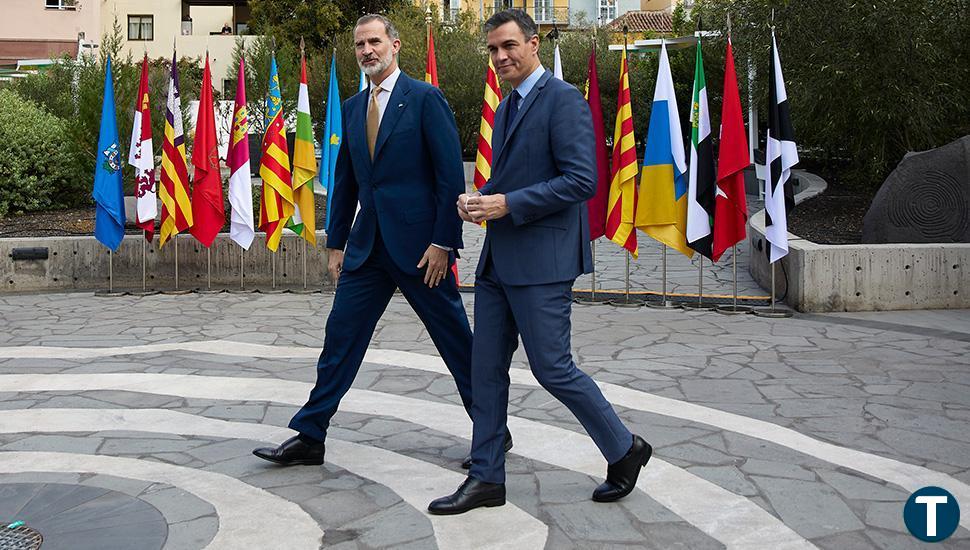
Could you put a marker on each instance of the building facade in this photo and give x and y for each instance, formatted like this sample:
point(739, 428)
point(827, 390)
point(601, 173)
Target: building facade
point(44, 29)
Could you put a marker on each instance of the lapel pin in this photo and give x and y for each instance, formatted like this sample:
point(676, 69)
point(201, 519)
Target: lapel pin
point(400, 105)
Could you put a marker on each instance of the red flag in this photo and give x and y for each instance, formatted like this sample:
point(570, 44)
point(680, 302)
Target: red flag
point(431, 66)
point(208, 211)
point(730, 205)
point(597, 205)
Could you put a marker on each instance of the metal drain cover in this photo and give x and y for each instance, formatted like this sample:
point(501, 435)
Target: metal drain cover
point(19, 538)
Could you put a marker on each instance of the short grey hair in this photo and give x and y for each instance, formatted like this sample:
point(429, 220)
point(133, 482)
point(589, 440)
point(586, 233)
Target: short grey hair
point(389, 27)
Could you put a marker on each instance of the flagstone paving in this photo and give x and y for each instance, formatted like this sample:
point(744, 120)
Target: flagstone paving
point(768, 433)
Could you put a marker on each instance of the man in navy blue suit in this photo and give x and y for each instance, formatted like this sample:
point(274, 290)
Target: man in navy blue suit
point(401, 160)
point(543, 169)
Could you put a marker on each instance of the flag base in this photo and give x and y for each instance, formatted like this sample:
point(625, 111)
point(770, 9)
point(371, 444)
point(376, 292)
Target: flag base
point(590, 301)
point(773, 313)
point(698, 306)
point(277, 290)
point(242, 290)
point(109, 293)
point(210, 291)
point(305, 290)
point(664, 304)
point(734, 310)
point(140, 293)
point(178, 292)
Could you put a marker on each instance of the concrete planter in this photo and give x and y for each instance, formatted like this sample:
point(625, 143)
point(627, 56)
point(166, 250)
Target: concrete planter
point(862, 277)
point(81, 263)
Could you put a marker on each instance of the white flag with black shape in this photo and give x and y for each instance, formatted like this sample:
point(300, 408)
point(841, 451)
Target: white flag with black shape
point(780, 156)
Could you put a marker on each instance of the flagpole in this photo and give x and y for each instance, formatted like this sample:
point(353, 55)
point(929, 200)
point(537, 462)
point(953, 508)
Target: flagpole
point(771, 312)
point(304, 262)
point(734, 308)
point(592, 291)
point(664, 303)
point(208, 276)
point(699, 305)
point(626, 298)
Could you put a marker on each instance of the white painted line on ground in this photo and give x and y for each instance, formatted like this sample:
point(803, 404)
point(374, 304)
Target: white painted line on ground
point(729, 518)
point(415, 481)
point(244, 521)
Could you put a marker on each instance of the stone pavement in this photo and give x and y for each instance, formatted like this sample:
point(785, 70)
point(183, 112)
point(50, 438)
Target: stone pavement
point(128, 423)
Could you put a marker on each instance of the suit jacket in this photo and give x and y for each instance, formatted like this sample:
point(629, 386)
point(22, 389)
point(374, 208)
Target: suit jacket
point(546, 167)
point(408, 192)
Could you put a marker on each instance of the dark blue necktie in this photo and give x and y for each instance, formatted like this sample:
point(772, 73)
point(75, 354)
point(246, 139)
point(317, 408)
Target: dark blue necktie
point(512, 111)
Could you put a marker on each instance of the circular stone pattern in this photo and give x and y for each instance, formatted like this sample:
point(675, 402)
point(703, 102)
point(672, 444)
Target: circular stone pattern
point(78, 517)
point(935, 206)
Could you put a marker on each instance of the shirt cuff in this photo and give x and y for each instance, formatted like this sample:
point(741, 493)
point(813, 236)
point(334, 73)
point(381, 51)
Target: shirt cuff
point(445, 248)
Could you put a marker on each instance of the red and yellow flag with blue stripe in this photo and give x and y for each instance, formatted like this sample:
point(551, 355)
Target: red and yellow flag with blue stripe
point(276, 204)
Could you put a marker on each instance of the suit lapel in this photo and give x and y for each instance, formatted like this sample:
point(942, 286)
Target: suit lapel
point(395, 106)
point(523, 109)
point(357, 123)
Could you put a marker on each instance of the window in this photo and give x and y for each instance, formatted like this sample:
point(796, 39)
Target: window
point(543, 10)
point(141, 27)
point(607, 11)
point(59, 4)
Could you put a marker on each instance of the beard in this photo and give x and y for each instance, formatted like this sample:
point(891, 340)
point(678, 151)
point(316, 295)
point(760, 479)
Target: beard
point(379, 67)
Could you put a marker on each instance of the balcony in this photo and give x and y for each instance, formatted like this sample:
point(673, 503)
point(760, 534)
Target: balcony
point(542, 14)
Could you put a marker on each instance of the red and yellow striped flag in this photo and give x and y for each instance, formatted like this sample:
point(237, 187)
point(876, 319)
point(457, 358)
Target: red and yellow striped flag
point(493, 95)
point(174, 188)
point(621, 206)
point(276, 204)
point(431, 66)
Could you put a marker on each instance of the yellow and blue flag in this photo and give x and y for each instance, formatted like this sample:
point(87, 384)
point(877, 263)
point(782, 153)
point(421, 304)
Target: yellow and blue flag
point(662, 201)
point(109, 219)
point(332, 136)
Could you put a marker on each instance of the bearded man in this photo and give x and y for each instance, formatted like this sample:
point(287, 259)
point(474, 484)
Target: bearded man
point(401, 160)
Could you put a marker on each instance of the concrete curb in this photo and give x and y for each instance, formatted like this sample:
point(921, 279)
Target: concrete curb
point(861, 277)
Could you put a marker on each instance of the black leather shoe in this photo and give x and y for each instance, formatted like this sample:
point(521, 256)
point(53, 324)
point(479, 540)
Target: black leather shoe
point(621, 476)
point(467, 463)
point(293, 451)
point(470, 495)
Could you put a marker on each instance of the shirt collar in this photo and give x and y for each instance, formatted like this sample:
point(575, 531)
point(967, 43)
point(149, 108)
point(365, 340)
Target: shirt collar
point(530, 82)
point(391, 81)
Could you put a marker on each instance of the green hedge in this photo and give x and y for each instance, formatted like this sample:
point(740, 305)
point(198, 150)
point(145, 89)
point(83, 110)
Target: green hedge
point(37, 166)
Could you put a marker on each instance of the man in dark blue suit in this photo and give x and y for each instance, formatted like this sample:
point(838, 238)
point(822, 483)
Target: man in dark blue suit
point(543, 169)
point(401, 160)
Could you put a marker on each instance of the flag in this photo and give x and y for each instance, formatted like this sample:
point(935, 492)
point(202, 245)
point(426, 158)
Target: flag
point(662, 208)
point(304, 220)
point(208, 209)
point(174, 191)
point(493, 95)
point(241, 229)
point(141, 157)
point(276, 204)
point(701, 178)
point(332, 134)
point(363, 81)
point(780, 155)
point(622, 201)
point(730, 205)
point(109, 198)
point(597, 205)
point(557, 63)
point(431, 66)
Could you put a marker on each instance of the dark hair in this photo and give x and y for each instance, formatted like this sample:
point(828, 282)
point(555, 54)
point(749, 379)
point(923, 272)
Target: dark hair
point(521, 18)
point(389, 27)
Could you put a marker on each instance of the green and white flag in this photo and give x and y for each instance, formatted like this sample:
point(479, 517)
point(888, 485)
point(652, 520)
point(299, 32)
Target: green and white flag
point(702, 180)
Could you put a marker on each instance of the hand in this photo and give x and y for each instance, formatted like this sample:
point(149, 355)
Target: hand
point(487, 207)
point(463, 206)
point(436, 259)
point(335, 263)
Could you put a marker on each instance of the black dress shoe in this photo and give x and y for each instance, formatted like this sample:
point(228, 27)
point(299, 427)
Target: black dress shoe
point(621, 476)
point(467, 463)
point(293, 451)
point(470, 495)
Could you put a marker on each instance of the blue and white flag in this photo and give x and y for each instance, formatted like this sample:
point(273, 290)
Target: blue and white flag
point(109, 220)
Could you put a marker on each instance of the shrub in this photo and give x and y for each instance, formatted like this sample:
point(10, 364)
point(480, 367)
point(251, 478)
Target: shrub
point(37, 167)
